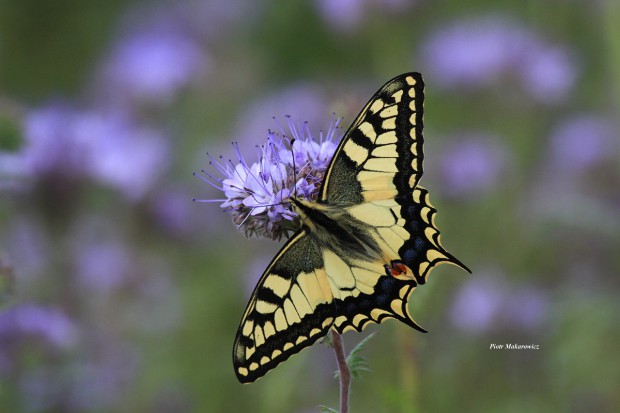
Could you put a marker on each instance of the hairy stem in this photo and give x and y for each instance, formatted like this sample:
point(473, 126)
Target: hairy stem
point(344, 372)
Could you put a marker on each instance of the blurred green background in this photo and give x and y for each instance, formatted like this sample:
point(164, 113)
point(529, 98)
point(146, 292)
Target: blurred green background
point(120, 294)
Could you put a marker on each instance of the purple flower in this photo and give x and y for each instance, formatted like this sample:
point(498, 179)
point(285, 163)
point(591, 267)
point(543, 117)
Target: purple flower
point(548, 73)
point(526, 308)
point(127, 157)
point(257, 195)
point(581, 149)
point(477, 305)
point(102, 267)
point(474, 52)
point(31, 320)
point(171, 211)
point(341, 14)
point(106, 146)
point(489, 301)
point(472, 166)
point(478, 52)
point(52, 143)
point(12, 171)
point(346, 15)
point(153, 63)
point(582, 141)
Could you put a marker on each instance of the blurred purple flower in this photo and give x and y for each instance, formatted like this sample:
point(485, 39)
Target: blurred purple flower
point(172, 212)
point(126, 156)
point(12, 171)
point(581, 141)
point(477, 305)
point(477, 52)
point(341, 14)
point(52, 145)
point(257, 195)
point(346, 15)
point(31, 320)
point(215, 19)
point(303, 101)
point(153, 63)
point(526, 308)
point(101, 267)
point(577, 176)
point(98, 382)
point(489, 302)
point(548, 73)
point(474, 52)
point(103, 145)
point(473, 165)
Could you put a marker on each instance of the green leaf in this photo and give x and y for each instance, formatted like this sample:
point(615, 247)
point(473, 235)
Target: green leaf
point(325, 409)
point(356, 362)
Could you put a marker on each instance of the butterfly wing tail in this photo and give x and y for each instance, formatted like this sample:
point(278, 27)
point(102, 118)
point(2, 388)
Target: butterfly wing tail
point(423, 251)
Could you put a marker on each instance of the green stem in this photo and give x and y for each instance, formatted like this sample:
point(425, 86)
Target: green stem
point(344, 372)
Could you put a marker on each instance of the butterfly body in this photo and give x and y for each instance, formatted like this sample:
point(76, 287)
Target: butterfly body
point(364, 245)
point(333, 228)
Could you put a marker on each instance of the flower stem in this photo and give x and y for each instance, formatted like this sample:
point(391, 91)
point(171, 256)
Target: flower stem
point(344, 372)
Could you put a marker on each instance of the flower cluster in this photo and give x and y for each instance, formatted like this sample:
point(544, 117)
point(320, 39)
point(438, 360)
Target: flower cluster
point(257, 195)
point(477, 52)
point(63, 143)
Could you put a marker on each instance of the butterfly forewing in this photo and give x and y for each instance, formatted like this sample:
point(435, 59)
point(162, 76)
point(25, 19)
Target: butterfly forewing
point(380, 155)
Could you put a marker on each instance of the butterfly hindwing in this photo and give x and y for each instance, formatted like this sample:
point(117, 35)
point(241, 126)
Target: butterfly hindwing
point(422, 250)
point(375, 298)
point(405, 233)
point(380, 155)
point(290, 308)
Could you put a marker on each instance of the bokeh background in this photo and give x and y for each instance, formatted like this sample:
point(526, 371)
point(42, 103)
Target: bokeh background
point(118, 293)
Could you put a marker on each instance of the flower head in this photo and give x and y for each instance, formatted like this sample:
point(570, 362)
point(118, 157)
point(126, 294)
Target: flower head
point(257, 195)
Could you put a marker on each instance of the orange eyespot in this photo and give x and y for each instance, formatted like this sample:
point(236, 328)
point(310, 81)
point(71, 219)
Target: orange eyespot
point(399, 267)
point(395, 268)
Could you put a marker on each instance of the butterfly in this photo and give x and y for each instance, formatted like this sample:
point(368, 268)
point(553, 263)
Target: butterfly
point(364, 245)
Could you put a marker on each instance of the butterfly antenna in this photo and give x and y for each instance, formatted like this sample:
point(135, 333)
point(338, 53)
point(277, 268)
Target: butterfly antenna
point(294, 169)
